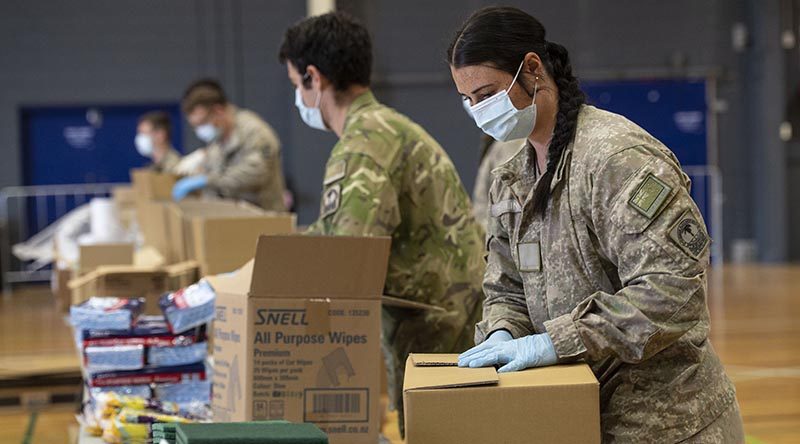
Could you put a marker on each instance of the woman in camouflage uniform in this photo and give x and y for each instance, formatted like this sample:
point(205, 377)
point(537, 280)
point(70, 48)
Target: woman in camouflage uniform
point(597, 252)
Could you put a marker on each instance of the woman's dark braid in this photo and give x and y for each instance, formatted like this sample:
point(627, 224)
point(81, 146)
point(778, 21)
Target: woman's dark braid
point(570, 100)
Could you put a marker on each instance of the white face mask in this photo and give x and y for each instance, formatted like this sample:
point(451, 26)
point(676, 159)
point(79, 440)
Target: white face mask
point(206, 132)
point(311, 116)
point(144, 144)
point(498, 117)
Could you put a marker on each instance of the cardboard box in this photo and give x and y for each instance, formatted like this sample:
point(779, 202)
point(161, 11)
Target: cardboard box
point(150, 185)
point(297, 335)
point(220, 235)
point(93, 256)
point(149, 282)
point(152, 194)
point(125, 200)
point(445, 403)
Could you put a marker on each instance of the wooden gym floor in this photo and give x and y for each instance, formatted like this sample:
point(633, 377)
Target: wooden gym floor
point(755, 329)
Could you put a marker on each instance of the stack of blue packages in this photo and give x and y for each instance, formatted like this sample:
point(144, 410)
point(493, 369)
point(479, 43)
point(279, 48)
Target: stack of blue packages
point(189, 307)
point(105, 313)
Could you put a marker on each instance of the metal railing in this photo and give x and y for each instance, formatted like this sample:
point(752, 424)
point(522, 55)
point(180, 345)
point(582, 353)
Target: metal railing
point(26, 211)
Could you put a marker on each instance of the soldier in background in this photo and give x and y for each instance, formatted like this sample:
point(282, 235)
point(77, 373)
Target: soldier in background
point(597, 252)
point(243, 156)
point(387, 177)
point(153, 140)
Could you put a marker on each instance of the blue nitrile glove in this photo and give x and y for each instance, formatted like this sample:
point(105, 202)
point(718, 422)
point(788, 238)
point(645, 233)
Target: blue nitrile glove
point(517, 354)
point(186, 185)
point(494, 338)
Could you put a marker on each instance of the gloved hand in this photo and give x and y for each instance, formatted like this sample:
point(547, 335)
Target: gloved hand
point(495, 337)
point(188, 184)
point(516, 354)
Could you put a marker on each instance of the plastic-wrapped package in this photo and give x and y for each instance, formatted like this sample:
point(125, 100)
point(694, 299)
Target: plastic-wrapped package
point(106, 313)
point(189, 307)
point(138, 391)
point(149, 331)
point(181, 355)
point(148, 375)
point(185, 393)
point(117, 357)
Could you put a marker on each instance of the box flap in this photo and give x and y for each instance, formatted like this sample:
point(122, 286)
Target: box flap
point(235, 282)
point(445, 376)
point(320, 266)
point(148, 256)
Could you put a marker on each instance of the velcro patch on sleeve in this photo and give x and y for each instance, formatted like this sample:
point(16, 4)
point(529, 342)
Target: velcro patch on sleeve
point(330, 200)
point(689, 235)
point(650, 196)
point(335, 171)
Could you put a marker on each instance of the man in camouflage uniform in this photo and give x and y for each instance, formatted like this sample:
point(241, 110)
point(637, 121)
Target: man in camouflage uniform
point(243, 158)
point(615, 273)
point(388, 177)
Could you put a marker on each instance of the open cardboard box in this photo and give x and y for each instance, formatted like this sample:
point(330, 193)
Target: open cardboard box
point(445, 403)
point(147, 282)
point(297, 335)
point(220, 234)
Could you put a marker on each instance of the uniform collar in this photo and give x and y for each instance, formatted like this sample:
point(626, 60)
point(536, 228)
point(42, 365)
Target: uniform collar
point(361, 102)
point(519, 172)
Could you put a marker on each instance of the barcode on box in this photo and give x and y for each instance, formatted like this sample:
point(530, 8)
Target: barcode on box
point(336, 405)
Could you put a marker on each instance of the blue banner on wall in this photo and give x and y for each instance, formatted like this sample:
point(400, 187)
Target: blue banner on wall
point(85, 144)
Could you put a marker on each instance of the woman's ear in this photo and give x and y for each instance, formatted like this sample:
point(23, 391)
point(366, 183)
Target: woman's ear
point(533, 64)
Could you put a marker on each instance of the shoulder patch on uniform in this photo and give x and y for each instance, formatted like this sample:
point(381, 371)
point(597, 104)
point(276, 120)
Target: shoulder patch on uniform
point(650, 196)
point(335, 171)
point(330, 200)
point(689, 234)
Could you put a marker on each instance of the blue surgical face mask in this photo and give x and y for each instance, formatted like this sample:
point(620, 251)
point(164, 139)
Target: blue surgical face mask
point(311, 116)
point(144, 144)
point(206, 132)
point(498, 117)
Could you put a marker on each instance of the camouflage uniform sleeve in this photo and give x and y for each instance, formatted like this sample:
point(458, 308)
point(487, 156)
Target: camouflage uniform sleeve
point(359, 199)
point(505, 306)
point(647, 225)
point(246, 173)
point(480, 193)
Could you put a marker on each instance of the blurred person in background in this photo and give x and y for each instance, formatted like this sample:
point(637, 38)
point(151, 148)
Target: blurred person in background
point(243, 157)
point(154, 141)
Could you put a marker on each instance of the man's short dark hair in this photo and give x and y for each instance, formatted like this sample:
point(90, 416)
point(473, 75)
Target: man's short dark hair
point(158, 120)
point(203, 92)
point(335, 43)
